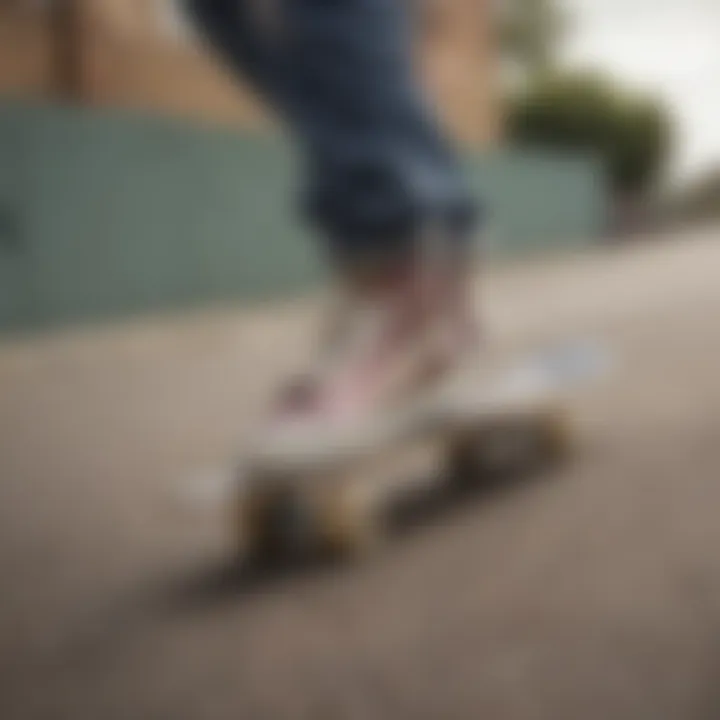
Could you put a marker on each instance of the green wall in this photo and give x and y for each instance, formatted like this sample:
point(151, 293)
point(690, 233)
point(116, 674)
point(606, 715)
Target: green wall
point(104, 215)
point(538, 203)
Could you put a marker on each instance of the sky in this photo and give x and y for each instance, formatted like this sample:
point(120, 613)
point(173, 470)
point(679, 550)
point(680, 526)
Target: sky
point(671, 47)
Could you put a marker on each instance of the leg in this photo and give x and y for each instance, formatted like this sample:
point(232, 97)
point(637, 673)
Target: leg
point(340, 73)
point(381, 179)
point(380, 171)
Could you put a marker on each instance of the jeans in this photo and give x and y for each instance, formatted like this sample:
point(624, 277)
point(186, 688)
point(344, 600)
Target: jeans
point(340, 75)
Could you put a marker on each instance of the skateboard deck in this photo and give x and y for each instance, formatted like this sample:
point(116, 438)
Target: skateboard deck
point(512, 418)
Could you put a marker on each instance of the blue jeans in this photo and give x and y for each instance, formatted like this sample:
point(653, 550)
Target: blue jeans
point(339, 73)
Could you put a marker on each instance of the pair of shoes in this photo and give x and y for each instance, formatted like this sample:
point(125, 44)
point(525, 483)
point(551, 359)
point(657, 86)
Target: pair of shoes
point(399, 333)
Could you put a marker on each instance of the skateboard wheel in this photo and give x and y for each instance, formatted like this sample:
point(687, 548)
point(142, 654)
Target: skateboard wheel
point(515, 444)
point(273, 522)
point(354, 526)
point(555, 435)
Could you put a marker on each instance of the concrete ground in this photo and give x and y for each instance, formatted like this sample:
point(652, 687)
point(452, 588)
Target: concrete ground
point(591, 594)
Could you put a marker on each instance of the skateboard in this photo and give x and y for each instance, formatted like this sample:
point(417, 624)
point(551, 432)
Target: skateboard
point(516, 418)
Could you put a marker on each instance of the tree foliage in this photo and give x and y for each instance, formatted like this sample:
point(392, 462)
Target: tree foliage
point(630, 133)
point(531, 32)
